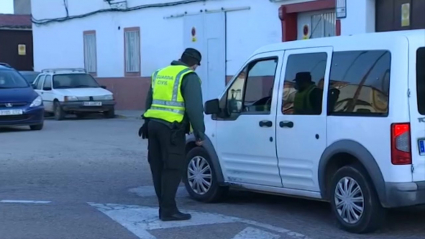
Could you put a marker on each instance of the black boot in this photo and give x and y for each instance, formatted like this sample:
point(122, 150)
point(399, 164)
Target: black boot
point(177, 216)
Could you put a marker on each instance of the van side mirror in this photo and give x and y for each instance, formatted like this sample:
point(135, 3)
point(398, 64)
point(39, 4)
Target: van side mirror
point(212, 107)
point(34, 86)
point(104, 87)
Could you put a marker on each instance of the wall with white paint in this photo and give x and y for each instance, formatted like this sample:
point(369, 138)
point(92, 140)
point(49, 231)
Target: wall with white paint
point(61, 44)
point(360, 17)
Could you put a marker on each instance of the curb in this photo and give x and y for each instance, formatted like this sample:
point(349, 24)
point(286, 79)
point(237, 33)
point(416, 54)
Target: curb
point(127, 117)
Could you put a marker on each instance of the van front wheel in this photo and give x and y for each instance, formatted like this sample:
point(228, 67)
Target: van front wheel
point(200, 179)
point(354, 201)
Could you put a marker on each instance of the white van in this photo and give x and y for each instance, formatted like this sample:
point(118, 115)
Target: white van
point(339, 119)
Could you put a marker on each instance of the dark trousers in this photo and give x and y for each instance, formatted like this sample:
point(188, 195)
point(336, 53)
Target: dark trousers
point(166, 156)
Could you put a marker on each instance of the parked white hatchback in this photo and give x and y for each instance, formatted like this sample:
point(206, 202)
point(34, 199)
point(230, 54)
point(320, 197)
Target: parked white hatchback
point(73, 91)
point(338, 119)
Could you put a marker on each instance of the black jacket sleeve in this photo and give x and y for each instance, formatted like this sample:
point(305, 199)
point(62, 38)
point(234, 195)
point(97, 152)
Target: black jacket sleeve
point(148, 101)
point(192, 95)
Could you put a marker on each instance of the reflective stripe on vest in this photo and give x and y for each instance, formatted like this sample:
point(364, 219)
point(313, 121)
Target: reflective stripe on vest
point(168, 110)
point(167, 101)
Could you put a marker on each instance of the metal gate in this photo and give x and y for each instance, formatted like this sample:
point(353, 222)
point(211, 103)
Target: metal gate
point(323, 25)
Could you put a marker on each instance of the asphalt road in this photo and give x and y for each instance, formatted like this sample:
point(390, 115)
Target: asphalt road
point(90, 179)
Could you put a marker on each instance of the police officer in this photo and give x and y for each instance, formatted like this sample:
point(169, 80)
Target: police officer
point(308, 98)
point(174, 106)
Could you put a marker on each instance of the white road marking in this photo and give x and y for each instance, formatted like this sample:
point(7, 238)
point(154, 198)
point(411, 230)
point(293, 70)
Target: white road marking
point(24, 201)
point(253, 233)
point(140, 219)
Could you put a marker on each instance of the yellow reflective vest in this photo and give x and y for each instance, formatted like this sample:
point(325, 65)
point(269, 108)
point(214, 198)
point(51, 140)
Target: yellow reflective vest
point(167, 101)
point(302, 100)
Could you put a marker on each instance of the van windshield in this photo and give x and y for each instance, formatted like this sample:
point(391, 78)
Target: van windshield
point(11, 79)
point(420, 79)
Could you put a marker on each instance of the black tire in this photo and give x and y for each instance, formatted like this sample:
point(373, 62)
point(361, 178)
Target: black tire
point(110, 113)
point(37, 127)
point(373, 215)
point(80, 115)
point(216, 192)
point(58, 111)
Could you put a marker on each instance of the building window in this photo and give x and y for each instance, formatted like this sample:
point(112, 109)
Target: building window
point(90, 54)
point(359, 83)
point(132, 51)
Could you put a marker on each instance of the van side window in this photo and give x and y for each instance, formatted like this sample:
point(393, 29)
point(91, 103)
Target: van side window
point(359, 83)
point(252, 90)
point(420, 79)
point(303, 86)
point(48, 82)
point(40, 82)
point(234, 94)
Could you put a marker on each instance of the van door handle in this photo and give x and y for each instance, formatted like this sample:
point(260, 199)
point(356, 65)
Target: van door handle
point(265, 123)
point(286, 124)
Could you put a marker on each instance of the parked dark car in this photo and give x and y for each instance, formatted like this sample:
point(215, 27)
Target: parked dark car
point(20, 105)
point(29, 75)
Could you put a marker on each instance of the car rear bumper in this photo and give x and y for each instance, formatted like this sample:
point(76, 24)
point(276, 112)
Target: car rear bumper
point(405, 194)
point(31, 116)
point(79, 106)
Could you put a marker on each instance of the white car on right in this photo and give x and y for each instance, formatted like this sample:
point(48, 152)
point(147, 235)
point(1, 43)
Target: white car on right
point(339, 119)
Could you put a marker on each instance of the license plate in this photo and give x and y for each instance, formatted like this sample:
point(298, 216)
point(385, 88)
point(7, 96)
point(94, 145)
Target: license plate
point(11, 112)
point(92, 103)
point(421, 146)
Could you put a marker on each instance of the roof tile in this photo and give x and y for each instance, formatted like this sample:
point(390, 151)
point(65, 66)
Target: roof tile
point(15, 21)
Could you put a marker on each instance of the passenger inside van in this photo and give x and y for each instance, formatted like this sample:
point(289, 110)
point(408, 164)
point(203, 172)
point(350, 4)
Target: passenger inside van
point(308, 98)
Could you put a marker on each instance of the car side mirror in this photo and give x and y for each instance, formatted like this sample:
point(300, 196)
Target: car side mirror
point(212, 107)
point(104, 87)
point(47, 88)
point(34, 86)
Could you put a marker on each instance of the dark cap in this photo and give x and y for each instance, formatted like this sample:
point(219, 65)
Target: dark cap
point(303, 77)
point(193, 53)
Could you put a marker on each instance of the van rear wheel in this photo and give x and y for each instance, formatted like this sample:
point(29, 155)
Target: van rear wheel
point(354, 201)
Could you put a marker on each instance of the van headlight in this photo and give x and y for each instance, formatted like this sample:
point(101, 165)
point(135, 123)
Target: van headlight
point(37, 102)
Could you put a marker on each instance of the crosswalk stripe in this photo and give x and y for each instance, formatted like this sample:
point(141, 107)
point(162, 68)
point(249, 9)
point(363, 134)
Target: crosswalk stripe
point(25, 201)
point(253, 233)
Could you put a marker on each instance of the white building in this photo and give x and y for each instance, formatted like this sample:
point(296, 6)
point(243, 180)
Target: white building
point(122, 42)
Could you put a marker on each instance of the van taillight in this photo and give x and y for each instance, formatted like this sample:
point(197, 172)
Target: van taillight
point(400, 144)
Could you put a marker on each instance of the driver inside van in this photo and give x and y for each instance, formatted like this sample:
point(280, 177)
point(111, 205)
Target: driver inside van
point(308, 98)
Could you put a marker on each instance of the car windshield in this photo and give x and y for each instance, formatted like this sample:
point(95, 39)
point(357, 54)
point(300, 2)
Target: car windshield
point(64, 81)
point(420, 79)
point(11, 79)
point(29, 76)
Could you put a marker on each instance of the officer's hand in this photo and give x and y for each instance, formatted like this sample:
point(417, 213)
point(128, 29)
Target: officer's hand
point(140, 131)
point(199, 142)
